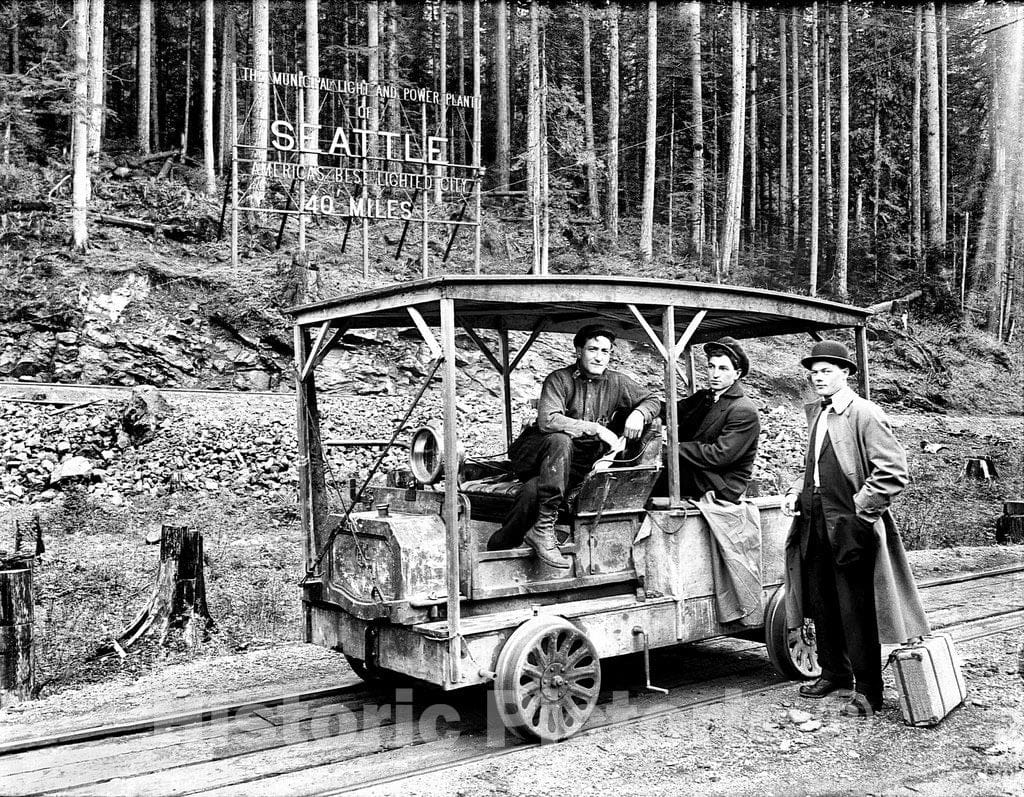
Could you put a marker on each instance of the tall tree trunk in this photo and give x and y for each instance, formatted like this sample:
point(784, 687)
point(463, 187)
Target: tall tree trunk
point(261, 96)
point(188, 85)
point(752, 187)
point(312, 98)
point(651, 137)
point(15, 68)
point(442, 73)
point(155, 130)
point(876, 152)
point(827, 89)
point(734, 177)
point(394, 118)
point(794, 184)
point(1008, 170)
point(916, 248)
point(533, 143)
point(934, 215)
point(815, 151)
point(502, 120)
point(692, 11)
point(227, 63)
point(593, 199)
point(80, 130)
point(144, 63)
point(373, 75)
point(545, 170)
point(96, 70)
point(612, 207)
point(14, 37)
point(784, 194)
point(943, 116)
point(211, 177)
point(460, 47)
point(843, 194)
point(716, 150)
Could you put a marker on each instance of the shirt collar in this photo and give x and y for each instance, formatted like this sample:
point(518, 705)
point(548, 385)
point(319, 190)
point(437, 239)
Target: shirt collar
point(842, 399)
point(577, 373)
point(734, 390)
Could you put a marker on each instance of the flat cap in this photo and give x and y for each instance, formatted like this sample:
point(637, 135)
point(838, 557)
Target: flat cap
point(732, 349)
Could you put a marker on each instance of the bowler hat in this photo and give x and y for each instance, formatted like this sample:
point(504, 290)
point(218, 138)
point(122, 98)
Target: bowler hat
point(731, 348)
point(830, 351)
point(592, 331)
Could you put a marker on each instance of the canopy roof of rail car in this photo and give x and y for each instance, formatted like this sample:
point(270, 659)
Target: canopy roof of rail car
point(563, 303)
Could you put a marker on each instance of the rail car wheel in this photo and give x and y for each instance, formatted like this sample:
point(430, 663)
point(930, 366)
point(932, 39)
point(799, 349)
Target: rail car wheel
point(793, 651)
point(547, 679)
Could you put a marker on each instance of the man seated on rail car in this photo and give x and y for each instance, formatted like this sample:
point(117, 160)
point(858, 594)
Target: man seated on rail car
point(582, 408)
point(719, 427)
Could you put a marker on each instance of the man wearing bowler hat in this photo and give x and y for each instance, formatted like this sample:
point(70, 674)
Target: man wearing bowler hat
point(583, 409)
point(719, 427)
point(845, 564)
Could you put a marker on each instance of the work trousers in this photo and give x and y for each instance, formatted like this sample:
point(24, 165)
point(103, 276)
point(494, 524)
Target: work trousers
point(551, 466)
point(842, 605)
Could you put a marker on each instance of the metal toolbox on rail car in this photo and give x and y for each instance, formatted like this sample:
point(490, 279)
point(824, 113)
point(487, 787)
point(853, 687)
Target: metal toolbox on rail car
point(928, 679)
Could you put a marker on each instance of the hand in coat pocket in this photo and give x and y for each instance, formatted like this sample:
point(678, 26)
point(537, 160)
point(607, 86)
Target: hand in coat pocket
point(854, 540)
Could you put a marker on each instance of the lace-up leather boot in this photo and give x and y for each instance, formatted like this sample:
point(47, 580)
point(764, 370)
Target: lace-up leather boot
point(541, 537)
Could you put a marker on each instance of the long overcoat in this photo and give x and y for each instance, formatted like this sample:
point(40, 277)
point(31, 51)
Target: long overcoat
point(875, 466)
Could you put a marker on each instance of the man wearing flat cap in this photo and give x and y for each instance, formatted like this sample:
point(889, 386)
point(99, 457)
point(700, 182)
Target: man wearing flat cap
point(719, 427)
point(845, 564)
point(578, 408)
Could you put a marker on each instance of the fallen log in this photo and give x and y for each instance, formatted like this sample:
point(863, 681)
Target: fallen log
point(179, 598)
point(137, 224)
point(154, 156)
point(26, 206)
point(885, 307)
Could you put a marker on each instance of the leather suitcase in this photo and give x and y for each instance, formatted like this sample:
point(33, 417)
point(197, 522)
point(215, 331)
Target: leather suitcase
point(928, 679)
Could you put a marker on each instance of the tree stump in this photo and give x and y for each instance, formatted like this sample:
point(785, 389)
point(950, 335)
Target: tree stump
point(1010, 525)
point(17, 667)
point(179, 597)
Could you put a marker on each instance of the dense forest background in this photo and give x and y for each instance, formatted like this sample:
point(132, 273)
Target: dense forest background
point(865, 151)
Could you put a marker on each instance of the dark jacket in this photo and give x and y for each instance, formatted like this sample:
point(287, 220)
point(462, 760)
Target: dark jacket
point(718, 442)
point(572, 403)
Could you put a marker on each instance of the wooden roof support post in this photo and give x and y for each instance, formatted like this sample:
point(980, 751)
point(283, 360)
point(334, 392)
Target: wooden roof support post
point(863, 379)
point(428, 338)
point(451, 484)
point(302, 348)
point(668, 331)
point(506, 383)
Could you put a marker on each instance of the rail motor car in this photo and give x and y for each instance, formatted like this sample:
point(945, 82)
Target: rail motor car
point(398, 575)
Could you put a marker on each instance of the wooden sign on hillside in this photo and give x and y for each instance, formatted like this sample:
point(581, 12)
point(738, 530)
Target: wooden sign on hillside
point(371, 153)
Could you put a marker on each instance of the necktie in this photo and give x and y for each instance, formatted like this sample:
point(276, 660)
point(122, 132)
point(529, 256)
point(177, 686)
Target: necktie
point(820, 431)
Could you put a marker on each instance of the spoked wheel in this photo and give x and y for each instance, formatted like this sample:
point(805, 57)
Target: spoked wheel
point(793, 652)
point(547, 680)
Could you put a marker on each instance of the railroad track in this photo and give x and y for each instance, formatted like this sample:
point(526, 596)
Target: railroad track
point(341, 739)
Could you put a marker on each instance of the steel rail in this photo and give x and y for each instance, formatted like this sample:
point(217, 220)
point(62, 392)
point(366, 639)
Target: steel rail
point(229, 710)
point(759, 688)
point(751, 682)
